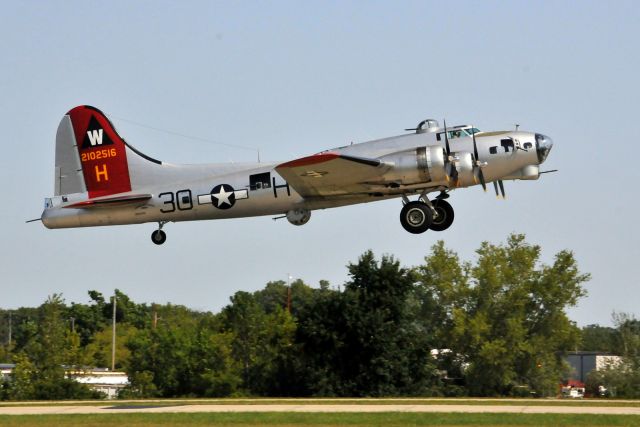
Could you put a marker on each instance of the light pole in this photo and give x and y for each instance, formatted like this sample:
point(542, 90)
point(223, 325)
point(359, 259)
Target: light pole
point(289, 292)
point(113, 336)
point(10, 328)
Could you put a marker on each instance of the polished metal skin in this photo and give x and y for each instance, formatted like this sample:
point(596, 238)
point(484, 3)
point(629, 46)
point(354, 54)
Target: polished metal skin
point(102, 180)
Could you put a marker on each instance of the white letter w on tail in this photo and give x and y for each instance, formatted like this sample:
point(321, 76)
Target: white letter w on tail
point(95, 137)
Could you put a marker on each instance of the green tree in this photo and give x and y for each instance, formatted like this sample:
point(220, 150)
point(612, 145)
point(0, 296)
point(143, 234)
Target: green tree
point(278, 295)
point(99, 350)
point(600, 338)
point(321, 336)
point(40, 372)
point(366, 341)
point(23, 329)
point(504, 316)
point(621, 379)
point(262, 342)
point(184, 355)
point(22, 385)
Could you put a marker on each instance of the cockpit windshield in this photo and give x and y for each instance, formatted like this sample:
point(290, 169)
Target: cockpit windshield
point(459, 132)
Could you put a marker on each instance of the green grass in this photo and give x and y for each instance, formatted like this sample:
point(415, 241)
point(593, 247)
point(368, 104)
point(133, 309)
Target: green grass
point(320, 419)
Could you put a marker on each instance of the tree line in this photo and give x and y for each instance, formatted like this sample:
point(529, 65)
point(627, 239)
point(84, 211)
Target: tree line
point(493, 327)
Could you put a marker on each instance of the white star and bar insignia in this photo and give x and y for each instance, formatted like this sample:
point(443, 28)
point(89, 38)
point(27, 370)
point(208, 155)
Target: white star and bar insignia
point(223, 196)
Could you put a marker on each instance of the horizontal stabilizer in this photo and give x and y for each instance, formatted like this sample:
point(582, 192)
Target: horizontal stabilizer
point(104, 202)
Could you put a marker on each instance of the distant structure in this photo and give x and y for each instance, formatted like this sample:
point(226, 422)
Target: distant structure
point(102, 380)
point(5, 370)
point(99, 379)
point(583, 362)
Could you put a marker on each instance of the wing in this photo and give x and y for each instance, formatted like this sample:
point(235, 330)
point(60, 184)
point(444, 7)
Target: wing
point(331, 174)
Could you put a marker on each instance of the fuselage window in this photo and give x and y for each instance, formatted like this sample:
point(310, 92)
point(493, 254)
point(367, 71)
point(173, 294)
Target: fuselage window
point(259, 181)
point(507, 144)
point(493, 150)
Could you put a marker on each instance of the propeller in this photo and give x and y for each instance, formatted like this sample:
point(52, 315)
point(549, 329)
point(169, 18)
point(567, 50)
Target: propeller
point(452, 172)
point(495, 187)
point(478, 165)
point(446, 138)
point(501, 185)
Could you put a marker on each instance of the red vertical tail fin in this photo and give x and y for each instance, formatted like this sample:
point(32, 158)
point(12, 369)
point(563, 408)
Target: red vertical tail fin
point(102, 152)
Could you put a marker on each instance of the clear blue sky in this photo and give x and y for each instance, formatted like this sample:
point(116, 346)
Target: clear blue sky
point(294, 78)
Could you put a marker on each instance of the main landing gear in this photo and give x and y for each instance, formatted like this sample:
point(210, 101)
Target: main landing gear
point(159, 237)
point(421, 215)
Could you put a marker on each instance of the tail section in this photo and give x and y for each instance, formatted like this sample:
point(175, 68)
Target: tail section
point(90, 155)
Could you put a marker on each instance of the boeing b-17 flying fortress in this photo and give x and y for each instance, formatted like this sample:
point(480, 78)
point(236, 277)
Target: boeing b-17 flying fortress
point(100, 179)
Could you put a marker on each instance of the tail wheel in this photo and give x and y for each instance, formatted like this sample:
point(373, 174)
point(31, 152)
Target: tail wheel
point(416, 217)
point(443, 217)
point(158, 237)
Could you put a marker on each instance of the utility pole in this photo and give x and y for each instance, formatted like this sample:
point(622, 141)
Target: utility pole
point(289, 293)
point(10, 327)
point(155, 317)
point(113, 336)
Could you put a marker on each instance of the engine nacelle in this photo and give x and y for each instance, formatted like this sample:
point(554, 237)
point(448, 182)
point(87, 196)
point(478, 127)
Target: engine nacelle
point(463, 162)
point(422, 164)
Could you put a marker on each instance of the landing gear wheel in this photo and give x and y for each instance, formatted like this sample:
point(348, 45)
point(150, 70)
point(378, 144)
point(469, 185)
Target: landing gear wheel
point(158, 237)
point(416, 217)
point(444, 215)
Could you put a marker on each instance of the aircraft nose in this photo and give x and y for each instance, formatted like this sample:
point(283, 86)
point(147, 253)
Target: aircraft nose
point(543, 146)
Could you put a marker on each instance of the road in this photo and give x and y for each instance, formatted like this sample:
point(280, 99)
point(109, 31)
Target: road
point(163, 408)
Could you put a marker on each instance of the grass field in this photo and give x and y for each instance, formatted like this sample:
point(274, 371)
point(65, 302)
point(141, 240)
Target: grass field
point(320, 419)
point(117, 416)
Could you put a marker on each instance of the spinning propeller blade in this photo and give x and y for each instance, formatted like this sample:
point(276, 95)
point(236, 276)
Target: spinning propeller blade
point(446, 138)
point(477, 159)
point(452, 172)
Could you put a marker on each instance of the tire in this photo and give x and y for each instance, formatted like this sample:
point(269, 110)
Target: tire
point(158, 237)
point(416, 217)
point(444, 215)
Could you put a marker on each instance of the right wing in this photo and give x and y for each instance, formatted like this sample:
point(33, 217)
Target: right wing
point(331, 174)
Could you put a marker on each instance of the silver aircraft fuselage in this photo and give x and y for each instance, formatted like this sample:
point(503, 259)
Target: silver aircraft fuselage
point(430, 160)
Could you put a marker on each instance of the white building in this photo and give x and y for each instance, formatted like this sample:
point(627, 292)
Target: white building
point(108, 382)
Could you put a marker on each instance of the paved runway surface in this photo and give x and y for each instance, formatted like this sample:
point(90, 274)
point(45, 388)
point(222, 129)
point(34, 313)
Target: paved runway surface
point(113, 409)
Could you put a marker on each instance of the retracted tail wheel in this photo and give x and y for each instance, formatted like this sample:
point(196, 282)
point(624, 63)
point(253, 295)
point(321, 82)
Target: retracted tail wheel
point(416, 217)
point(158, 237)
point(443, 217)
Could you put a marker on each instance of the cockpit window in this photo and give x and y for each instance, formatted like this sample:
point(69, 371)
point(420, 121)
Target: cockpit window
point(457, 133)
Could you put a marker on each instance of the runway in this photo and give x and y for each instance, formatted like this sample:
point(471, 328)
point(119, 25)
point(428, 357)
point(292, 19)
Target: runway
point(212, 408)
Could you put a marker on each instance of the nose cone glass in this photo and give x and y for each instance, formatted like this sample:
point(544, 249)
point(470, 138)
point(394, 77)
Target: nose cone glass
point(543, 146)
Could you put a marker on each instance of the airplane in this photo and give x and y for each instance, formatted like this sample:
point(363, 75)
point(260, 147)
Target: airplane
point(100, 179)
